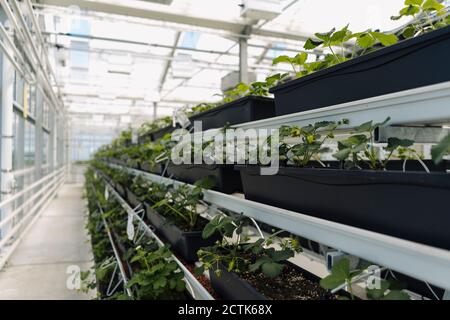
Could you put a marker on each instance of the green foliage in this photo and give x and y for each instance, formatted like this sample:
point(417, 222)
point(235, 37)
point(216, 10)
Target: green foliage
point(442, 149)
point(155, 125)
point(341, 273)
point(158, 277)
point(359, 148)
point(180, 204)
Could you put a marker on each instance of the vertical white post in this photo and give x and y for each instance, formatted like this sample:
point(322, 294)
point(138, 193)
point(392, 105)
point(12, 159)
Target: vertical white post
point(7, 178)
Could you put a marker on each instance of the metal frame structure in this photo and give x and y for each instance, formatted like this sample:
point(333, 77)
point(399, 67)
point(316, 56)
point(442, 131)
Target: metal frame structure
point(33, 147)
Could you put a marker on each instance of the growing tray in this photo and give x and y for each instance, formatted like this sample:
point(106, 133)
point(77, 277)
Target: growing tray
point(185, 243)
point(243, 110)
point(406, 65)
point(231, 287)
point(224, 177)
point(411, 205)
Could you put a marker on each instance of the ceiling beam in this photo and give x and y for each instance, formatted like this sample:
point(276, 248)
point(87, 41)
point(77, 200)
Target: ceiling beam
point(140, 9)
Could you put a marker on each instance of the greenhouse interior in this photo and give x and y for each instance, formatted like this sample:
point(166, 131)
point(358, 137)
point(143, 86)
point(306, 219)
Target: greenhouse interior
point(225, 150)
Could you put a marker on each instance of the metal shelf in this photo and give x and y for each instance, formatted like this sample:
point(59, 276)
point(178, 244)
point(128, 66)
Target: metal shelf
point(199, 292)
point(416, 260)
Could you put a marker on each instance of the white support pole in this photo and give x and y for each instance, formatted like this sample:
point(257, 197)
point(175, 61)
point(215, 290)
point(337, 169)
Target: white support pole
point(7, 99)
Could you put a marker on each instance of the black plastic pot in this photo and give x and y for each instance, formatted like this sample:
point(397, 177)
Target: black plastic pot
point(231, 287)
point(120, 190)
point(239, 111)
point(411, 205)
point(406, 65)
point(225, 178)
point(185, 243)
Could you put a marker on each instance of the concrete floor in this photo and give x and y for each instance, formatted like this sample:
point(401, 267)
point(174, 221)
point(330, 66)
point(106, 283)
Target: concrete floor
point(38, 269)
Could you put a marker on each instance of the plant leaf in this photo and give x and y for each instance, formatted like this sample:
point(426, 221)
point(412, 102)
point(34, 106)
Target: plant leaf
point(272, 269)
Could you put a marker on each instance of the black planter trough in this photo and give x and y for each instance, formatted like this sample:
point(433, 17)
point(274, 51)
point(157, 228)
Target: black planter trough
point(120, 190)
point(406, 65)
point(185, 243)
point(407, 205)
point(224, 177)
point(243, 110)
point(231, 287)
point(156, 135)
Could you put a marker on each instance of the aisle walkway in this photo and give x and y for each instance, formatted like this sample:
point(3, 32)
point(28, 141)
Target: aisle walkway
point(38, 268)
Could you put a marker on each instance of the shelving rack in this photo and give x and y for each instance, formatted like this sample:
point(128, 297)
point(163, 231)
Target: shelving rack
point(197, 290)
point(416, 260)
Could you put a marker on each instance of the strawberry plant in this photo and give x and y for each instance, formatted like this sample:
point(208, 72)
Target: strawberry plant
point(157, 276)
point(312, 138)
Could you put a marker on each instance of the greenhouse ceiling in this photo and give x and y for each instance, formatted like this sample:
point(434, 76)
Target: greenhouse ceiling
point(123, 62)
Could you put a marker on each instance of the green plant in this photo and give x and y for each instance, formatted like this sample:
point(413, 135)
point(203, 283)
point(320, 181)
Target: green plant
point(312, 138)
point(332, 40)
point(427, 15)
point(439, 151)
point(240, 256)
point(158, 276)
point(360, 148)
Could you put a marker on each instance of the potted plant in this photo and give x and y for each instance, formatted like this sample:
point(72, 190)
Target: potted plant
point(351, 74)
point(241, 270)
point(155, 130)
point(362, 193)
point(175, 215)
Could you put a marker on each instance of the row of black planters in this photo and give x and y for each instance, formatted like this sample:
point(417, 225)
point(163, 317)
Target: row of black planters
point(410, 205)
point(407, 65)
